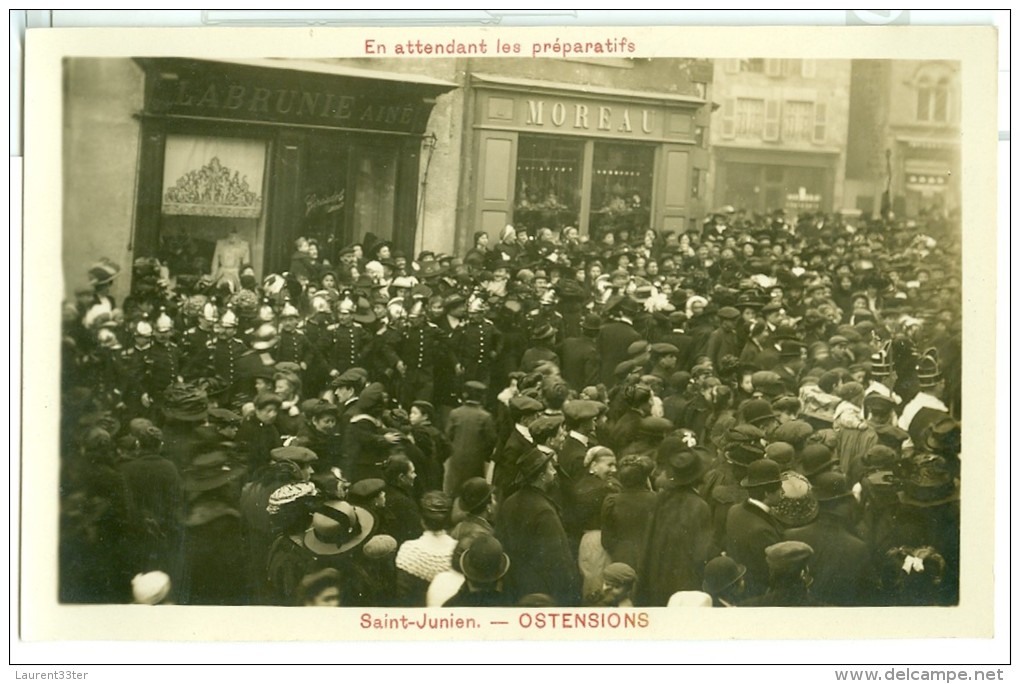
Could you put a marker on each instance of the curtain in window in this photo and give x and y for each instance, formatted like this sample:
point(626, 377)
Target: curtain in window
point(206, 176)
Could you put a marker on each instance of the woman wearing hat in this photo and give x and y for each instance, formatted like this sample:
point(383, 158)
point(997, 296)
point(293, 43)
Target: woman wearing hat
point(679, 540)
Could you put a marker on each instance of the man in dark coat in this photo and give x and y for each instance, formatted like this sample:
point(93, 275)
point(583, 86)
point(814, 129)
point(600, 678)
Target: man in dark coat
point(579, 420)
point(750, 526)
point(679, 539)
point(422, 348)
point(724, 339)
point(477, 344)
point(616, 336)
point(401, 517)
point(524, 410)
point(471, 432)
point(531, 530)
point(841, 566)
point(349, 340)
point(679, 338)
point(366, 440)
point(258, 435)
point(579, 356)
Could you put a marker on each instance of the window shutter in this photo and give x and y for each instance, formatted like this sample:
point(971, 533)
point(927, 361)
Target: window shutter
point(807, 68)
point(771, 120)
point(819, 135)
point(773, 67)
point(728, 127)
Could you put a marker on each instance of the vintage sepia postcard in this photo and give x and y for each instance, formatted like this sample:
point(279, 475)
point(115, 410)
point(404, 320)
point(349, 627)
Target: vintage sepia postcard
point(507, 334)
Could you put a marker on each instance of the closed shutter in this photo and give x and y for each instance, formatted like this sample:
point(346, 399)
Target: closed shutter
point(728, 110)
point(772, 111)
point(820, 113)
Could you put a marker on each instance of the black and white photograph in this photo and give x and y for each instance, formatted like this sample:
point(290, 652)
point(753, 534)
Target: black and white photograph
point(569, 325)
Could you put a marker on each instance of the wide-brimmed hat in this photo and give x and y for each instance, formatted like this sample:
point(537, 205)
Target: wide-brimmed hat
point(338, 527)
point(543, 332)
point(364, 314)
point(720, 573)
point(484, 562)
point(943, 436)
point(209, 471)
point(103, 271)
point(185, 402)
point(930, 483)
point(687, 464)
point(762, 472)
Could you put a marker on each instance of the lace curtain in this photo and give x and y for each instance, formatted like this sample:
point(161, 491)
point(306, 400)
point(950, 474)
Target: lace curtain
point(205, 176)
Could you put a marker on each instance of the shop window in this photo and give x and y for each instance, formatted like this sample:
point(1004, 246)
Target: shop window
point(548, 191)
point(374, 181)
point(750, 119)
point(326, 195)
point(621, 189)
point(212, 214)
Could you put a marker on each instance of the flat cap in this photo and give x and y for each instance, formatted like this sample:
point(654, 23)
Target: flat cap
point(655, 426)
point(525, 404)
point(294, 454)
point(728, 312)
point(582, 409)
point(788, 555)
point(364, 490)
point(664, 348)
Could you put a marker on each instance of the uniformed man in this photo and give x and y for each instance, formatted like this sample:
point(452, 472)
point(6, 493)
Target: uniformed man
point(293, 346)
point(318, 330)
point(349, 339)
point(224, 351)
point(136, 364)
point(421, 345)
point(166, 355)
point(195, 341)
point(477, 344)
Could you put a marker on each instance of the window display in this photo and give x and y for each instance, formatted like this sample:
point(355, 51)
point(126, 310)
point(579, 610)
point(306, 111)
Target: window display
point(621, 189)
point(548, 183)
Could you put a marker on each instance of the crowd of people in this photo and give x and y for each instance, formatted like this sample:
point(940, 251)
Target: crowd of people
point(761, 411)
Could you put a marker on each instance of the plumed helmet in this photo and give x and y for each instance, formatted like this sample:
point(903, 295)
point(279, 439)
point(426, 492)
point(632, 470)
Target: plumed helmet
point(320, 302)
point(273, 284)
point(290, 311)
point(265, 337)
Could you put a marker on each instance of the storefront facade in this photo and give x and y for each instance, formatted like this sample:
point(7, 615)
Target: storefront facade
point(273, 154)
point(548, 154)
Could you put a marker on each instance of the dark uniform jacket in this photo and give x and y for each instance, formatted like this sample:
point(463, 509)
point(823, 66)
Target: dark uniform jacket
point(348, 345)
point(531, 530)
point(477, 344)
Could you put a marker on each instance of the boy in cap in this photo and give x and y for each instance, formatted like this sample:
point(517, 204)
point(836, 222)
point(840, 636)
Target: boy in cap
point(618, 583)
point(789, 577)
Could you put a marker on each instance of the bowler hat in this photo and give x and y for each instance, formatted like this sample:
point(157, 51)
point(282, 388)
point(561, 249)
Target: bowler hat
point(484, 562)
point(757, 411)
point(532, 462)
point(761, 473)
point(831, 486)
point(474, 493)
point(780, 452)
point(815, 458)
point(720, 573)
point(592, 322)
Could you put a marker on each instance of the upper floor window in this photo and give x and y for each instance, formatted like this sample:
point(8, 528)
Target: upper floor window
point(933, 99)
